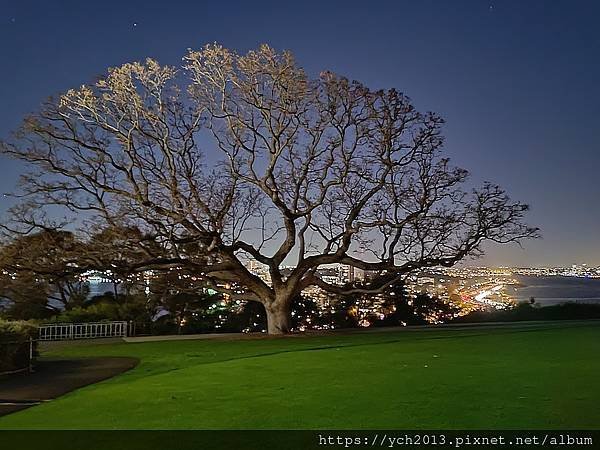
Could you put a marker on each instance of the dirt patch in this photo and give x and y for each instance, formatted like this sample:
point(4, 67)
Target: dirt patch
point(55, 377)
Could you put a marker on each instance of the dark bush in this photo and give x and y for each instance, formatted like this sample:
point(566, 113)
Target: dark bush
point(15, 344)
point(106, 308)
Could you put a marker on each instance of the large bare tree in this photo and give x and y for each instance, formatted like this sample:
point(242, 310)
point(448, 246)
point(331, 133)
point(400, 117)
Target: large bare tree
point(233, 158)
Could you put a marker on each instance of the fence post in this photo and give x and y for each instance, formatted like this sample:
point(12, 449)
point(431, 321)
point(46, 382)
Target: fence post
point(30, 368)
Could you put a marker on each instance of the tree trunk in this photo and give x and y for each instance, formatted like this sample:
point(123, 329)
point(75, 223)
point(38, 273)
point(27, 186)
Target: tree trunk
point(279, 317)
point(115, 290)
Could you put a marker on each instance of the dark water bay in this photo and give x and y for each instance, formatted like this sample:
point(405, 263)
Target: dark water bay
point(555, 290)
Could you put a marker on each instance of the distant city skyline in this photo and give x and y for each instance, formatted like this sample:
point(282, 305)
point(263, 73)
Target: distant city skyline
point(516, 82)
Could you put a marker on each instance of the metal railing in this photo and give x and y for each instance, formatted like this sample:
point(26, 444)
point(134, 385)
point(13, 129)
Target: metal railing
point(65, 331)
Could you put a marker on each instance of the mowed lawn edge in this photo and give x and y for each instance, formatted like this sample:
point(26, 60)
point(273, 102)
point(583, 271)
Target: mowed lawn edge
point(504, 378)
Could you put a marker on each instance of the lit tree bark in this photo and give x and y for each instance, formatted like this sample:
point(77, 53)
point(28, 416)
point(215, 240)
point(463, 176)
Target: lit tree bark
point(235, 158)
point(279, 319)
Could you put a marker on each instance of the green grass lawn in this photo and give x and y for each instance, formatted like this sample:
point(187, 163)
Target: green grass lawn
point(504, 378)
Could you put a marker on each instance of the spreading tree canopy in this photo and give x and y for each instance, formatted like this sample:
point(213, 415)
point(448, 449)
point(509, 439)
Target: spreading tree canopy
point(232, 158)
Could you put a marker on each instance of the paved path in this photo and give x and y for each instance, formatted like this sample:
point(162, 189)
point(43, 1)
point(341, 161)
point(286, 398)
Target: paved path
point(55, 377)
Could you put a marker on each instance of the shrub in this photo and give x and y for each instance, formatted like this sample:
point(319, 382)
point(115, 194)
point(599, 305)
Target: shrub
point(106, 308)
point(14, 344)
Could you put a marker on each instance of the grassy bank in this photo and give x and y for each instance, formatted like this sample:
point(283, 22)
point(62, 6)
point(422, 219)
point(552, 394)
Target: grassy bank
point(515, 377)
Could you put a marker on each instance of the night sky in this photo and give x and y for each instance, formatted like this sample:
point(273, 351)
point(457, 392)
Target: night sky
point(518, 82)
